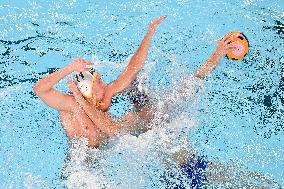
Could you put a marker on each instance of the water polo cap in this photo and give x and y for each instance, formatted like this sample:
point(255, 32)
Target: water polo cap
point(85, 83)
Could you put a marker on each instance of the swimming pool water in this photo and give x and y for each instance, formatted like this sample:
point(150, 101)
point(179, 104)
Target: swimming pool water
point(241, 116)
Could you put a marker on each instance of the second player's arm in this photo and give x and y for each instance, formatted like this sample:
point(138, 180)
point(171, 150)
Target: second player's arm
point(137, 61)
point(223, 47)
point(208, 66)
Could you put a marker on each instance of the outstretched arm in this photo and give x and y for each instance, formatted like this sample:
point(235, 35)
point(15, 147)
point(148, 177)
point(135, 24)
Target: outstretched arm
point(223, 47)
point(52, 97)
point(104, 122)
point(137, 61)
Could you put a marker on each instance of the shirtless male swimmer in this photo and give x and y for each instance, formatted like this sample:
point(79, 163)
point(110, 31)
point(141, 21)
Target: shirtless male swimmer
point(74, 119)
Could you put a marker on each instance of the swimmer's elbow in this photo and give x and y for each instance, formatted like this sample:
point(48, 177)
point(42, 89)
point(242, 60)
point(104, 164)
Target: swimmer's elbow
point(39, 88)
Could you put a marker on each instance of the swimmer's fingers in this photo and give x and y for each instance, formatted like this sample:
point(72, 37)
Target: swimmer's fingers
point(154, 23)
point(72, 87)
point(232, 37)
point(226, 37)
point(230, 47)
point(223, 39)
point(81, 65)
point(158, 20)
point(222, 48)
point(87, 63)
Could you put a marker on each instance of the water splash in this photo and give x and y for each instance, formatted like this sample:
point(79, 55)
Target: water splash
point(241, 119)
point(33, 182)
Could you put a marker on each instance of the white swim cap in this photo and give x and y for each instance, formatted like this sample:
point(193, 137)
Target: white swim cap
point(85, 83)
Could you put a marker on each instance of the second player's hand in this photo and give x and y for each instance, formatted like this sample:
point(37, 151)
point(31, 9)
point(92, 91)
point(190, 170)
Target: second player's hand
point(225, 45)
point(154, 23)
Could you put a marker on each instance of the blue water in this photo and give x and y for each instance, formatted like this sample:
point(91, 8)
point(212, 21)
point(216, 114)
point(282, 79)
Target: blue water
point(241, 119)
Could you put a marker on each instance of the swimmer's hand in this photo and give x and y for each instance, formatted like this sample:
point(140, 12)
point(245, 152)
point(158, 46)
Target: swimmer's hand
point(80, 65)
point(77, 94)
point(154, 23)
point(225, 45)
point(72, 87)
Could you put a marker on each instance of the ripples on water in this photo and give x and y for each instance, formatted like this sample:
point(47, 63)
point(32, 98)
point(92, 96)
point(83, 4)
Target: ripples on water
point(240, 118)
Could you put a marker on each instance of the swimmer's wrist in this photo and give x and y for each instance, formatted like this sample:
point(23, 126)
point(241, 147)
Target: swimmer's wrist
point(217, 54)
point(70, 67)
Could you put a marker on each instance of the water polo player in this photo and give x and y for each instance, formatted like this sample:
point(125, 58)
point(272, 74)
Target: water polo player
point(77, 122)
point(194, 168)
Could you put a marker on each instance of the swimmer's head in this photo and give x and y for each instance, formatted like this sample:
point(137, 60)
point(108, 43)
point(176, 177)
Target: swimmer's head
point(90, 84)
point(84, 82)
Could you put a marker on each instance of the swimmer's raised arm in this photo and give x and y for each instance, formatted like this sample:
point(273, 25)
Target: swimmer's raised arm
point(52, 97)
point(137, 61)
point(104, 122)
point(223, 47)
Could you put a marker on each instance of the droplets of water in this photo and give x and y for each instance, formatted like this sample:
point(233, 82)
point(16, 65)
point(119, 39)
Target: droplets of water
point(41, 35)
point(143, 160)
point(32, 182)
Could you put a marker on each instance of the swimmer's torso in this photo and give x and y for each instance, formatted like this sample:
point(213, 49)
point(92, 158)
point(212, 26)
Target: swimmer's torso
point(76, 123)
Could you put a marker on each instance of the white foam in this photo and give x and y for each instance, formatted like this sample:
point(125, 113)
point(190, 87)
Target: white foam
point(128, 160)
point(34, 182)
